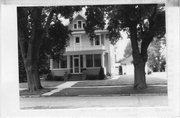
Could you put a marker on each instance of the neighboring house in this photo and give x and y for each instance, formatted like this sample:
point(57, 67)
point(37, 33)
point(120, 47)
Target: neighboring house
point(128, 67)
point(83, 53)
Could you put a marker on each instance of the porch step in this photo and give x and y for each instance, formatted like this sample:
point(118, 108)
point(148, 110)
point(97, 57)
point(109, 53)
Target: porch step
point(75, 77)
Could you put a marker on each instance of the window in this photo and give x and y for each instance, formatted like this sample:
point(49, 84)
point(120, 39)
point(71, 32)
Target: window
point(83, 25)
point(79, 24)
point(89, 60)
point(55, 64)
point(93, 60)
point(81, 59)
point(64, 62)
point(77, 39)
point(75, 26)
point(97, 60)
point(61, 63)
point(97, 40)
point(71, 64)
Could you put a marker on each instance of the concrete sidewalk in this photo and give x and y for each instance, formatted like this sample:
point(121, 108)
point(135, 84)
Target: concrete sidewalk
point(92, 102)
point(60, 87)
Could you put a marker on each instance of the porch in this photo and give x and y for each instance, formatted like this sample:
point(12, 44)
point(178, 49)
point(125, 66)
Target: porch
point(74, 63)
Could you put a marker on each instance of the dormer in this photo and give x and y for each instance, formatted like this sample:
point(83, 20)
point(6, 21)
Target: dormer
point(78, 23)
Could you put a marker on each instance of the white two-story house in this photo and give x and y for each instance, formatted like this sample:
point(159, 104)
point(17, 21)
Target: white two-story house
point(83, 53)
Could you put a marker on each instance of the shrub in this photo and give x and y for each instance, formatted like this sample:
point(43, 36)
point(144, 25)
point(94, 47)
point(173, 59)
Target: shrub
point(101, 73)
point(49, 77)
point(92, 77)
point(108, 74)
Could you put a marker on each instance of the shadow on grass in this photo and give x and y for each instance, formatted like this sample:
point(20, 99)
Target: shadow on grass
point(26, 93)
point(158, 90)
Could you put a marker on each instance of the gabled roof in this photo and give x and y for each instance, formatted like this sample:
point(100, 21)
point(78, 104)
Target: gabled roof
point(79, 16)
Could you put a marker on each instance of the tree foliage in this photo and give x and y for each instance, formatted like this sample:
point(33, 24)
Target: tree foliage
point(41, 33)
point(157, 60)
point(149, 18)
point(142, 22)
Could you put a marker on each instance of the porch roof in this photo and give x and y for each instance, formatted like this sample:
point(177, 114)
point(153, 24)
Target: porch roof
point(84, 52)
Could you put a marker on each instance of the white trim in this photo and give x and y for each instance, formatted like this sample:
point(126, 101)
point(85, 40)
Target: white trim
point(60, 69)
point(96, 31)
point(93, 67)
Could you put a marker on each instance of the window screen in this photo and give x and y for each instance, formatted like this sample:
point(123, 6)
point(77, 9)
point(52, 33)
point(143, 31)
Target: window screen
point(89, 60)
point(97, 60)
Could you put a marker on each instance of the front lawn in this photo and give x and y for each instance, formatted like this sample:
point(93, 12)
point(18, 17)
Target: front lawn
point(44, 83)
point(122, 80)
point(26, 93)
point(126, 90)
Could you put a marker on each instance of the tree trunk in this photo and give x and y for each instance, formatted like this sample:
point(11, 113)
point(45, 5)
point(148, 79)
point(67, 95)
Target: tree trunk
point(138, 59)
point(139, 76)
point(32, 77)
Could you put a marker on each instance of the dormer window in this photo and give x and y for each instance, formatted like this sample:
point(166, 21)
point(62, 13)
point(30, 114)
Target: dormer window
point(83, 25)
point(79, 25)
point(75, 26)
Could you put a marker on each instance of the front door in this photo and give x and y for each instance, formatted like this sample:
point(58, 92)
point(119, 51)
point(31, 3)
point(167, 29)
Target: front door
point(76, 68)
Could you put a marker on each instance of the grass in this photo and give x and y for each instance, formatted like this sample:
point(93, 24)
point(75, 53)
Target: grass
point(123, 80)
point(111, 91)
point(44, 83)
point(39, 92)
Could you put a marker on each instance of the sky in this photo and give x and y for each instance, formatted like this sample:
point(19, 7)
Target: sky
point(121, 45)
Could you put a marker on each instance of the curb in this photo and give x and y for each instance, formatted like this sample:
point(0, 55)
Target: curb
point(99, 95)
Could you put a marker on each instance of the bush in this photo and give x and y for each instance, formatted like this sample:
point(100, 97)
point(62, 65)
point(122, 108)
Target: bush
point(108, 74)
point(101, 73)
point(92, 77)
point(49, 77)
point(58, 78)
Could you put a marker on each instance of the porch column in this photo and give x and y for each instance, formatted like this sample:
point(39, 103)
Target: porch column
point(102, 59)
point(102, 62)
point(84, 61)
point(68, 61)
point(51, 64)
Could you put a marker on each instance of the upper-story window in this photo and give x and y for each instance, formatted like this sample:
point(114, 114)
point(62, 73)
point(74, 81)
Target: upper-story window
point(77, 39)
point(97, 40)
point(75, 26)
point(79, 25)
point(83, 25)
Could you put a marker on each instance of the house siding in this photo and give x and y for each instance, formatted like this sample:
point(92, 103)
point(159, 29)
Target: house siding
point(85, 47)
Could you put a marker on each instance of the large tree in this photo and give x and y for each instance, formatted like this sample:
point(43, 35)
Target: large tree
point(142, 22)
point(40, 31)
